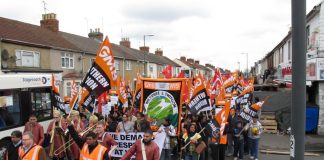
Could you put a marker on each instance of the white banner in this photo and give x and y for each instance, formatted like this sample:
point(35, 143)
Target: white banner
point(126, 141)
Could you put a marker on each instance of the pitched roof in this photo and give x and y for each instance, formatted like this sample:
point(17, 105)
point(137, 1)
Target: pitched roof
point(33, 35)
point(29, 34)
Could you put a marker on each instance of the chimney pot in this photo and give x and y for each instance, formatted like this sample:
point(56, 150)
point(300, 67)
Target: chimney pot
point(50, 22)
point(95, 34)
point(182, 58)
point(159, 52)
point(190, 60)
point(145, 49)
point(125, 42)
point(196, 61)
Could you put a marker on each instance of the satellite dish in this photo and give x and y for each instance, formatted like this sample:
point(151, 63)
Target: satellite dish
point(4, 55)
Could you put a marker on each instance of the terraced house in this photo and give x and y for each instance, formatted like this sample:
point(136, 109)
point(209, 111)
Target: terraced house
point(44, 49)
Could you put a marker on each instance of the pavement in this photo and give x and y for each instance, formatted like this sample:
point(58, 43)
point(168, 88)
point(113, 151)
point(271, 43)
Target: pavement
point(313, 144)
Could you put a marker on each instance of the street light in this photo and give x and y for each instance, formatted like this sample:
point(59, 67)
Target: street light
point(239, 66)
point(247, 64)
point(148, 35)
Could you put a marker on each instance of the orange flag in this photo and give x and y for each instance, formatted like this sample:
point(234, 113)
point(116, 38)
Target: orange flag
point(74, 95)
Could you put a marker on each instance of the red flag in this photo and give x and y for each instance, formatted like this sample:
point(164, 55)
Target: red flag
point(181, 75)
point(216, 83)
point(167, 71)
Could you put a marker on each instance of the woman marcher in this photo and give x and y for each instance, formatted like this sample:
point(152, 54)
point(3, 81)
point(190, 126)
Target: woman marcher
point(169, 131)
point(193, 139)
point(125, 125)
point(254, 132)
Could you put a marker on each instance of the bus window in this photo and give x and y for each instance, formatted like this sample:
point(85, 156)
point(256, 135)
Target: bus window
point(41, 103)
point(9, 108)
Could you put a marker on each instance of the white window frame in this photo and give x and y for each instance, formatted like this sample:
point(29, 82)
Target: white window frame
point(69, 57)
point(128, 65)
point(35, 54)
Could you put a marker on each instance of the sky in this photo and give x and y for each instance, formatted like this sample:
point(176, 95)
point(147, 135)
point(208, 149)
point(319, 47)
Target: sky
point(211, 31)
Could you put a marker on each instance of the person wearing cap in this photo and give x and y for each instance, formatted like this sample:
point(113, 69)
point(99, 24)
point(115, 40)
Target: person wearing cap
point(254, 131)
point(59, 127)
point(90, 147)
point(29, 149)
point(169, 131)
point(12, 148)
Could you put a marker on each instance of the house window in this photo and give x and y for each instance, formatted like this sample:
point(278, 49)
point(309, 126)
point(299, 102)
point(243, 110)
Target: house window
point(67, 60)
point(128, 65)
point(151, 68)
point(117, 65)
point(27, 58)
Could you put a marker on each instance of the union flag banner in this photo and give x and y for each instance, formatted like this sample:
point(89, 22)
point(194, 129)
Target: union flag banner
point(200, 100)
point(216, 83)
point(121, 91)
point(74, 96)
point(86, 100)
point(102, 74)
point(249, 111)
point(138, 91)
point(161, 98)
point(58, 101)
point(228, 85)
point(246, 95)
point(221, 118)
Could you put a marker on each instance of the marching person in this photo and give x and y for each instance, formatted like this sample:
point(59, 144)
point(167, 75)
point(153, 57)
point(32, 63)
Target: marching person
point(169, 131)
point(144, 149)
point(78, 127)
point(105, 138)
point(193, 139)
point(29, 149)
point(36, 128)
point(254, 132)
point(56, 127)
point(238, 140)
point(125, 125)
point(141, 125)
point(90, 147)
point(12, 148)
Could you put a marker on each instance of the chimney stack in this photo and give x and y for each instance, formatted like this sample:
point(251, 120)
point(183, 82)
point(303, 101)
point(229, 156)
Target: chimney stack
point(196, 61)
point(159, 52)
point(125, 42)
point(50, 22)
point(182, 58)
point(145, 49)
point(190, 60)
point(96, 35)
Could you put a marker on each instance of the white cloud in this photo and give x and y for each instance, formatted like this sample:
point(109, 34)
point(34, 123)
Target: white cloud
point(213, 31)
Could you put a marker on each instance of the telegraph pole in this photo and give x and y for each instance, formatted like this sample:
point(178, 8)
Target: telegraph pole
point(297, 145)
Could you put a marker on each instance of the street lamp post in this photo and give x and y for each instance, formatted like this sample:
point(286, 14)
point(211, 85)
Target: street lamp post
point(239, 66)
point(247, 64)
point(148, 35)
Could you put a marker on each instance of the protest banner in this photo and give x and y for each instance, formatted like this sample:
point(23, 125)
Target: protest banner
point(161, 98)
point(126, 141)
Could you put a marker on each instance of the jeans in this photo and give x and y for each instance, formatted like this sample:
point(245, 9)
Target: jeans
point(230, 144)
point(217, 151)
point(166, 154)
point(238, 147)
point(254, 147)
point(194, 156)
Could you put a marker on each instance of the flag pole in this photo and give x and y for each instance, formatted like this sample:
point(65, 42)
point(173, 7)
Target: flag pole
point(76, 98)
